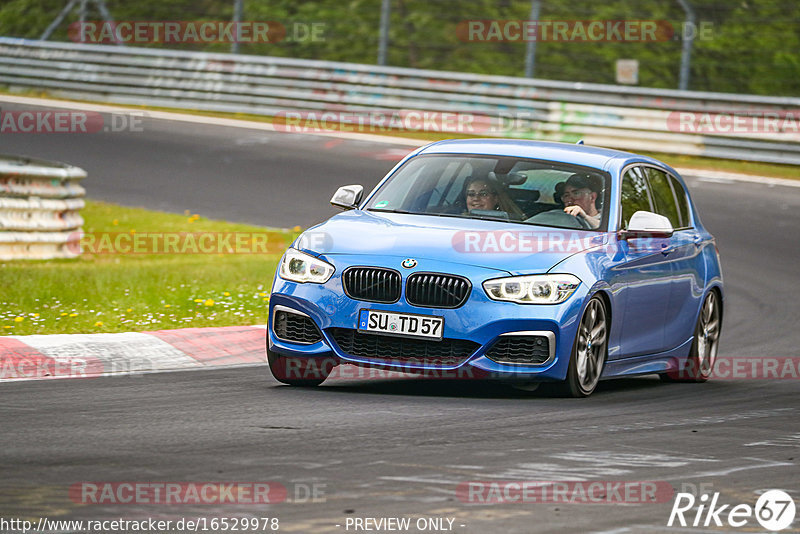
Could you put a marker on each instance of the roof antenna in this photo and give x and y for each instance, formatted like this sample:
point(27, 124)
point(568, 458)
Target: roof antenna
point(580, 142)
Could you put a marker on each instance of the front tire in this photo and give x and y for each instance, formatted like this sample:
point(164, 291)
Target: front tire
point(297, 371)
point(589, 351)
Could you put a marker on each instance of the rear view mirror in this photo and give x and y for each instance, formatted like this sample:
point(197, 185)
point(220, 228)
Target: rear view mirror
point(347, 197)
point(647, 224)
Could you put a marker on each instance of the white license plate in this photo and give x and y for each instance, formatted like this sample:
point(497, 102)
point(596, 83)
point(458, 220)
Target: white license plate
point(401, 324)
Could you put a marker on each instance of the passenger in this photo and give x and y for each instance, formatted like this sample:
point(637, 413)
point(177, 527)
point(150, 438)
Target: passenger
point(580, 198)
point(483, 194)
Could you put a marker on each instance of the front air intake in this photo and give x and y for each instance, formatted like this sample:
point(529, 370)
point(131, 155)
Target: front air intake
point(295, 327)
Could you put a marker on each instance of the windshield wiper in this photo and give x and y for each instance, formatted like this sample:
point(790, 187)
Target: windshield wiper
point(393, 211)
point(431, 214)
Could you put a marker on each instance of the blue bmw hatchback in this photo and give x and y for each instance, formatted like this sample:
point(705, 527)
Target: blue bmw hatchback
point(502, 259)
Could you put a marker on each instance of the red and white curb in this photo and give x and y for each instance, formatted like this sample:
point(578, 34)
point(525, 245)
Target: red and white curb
point(93, 355)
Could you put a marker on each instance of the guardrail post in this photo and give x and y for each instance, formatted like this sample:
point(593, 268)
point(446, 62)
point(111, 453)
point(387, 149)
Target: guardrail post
point(238, 8)
point(530, 49)
point(686, 49)
point(383, 38)
point(101, 6)
point(58, 20)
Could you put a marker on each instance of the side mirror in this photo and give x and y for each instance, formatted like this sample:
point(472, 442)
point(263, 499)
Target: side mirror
point(347, 197)
point(647, 224)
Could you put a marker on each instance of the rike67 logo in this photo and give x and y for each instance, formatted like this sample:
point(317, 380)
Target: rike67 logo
point(774, 511)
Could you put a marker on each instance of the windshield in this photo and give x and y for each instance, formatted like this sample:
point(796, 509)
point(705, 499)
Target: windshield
point(499, 188)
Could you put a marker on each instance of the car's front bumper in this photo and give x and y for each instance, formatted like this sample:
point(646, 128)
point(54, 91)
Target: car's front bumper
point(480, 320)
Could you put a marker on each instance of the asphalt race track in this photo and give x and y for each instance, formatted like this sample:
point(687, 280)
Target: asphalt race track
point(400, 448)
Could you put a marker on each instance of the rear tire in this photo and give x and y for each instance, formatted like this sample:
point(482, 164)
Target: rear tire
point(297, 371)
point(589, 351)
point(703, 354)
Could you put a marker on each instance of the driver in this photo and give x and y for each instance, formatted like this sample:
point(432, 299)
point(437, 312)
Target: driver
point(580, 198)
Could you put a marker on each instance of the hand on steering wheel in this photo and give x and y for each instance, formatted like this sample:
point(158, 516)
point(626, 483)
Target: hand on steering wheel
point(578, 213)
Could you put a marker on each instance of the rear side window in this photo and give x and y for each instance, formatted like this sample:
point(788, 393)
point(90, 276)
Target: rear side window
point(634, 195)
point(663, 196)
point(683, 203)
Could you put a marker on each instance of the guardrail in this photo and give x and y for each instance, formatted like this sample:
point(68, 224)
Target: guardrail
point(39, 205)
point(719, 125)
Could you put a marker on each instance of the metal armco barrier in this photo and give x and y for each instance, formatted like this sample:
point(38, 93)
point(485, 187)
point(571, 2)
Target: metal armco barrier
point(39, 209)
point(733, 126)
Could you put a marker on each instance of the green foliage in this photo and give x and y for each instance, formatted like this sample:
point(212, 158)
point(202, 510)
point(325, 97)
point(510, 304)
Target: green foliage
point(747, 46)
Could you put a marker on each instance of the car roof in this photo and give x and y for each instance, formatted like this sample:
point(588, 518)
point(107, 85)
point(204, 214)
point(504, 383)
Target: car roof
point(589, 156)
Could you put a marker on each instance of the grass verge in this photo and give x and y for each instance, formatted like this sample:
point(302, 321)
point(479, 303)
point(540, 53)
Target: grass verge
point(120, 292)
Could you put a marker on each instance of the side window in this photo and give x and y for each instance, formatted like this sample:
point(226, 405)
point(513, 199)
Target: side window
point(662, 196)
point(634, 195)
point(683, 203)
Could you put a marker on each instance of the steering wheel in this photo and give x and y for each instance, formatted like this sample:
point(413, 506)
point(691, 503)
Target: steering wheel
point(558, 217)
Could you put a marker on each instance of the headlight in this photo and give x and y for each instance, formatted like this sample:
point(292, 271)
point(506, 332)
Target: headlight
point(301, 267)
point(532, 289)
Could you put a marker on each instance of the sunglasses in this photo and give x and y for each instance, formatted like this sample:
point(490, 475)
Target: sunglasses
point(481, 194)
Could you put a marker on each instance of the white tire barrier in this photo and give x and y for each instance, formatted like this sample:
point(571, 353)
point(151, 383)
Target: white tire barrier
point(40, 203)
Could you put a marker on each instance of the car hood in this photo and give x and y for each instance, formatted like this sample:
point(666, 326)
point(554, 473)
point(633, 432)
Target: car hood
point(503, 246)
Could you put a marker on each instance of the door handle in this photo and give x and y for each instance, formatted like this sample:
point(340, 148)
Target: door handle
point(666, 249)
point(697, 240)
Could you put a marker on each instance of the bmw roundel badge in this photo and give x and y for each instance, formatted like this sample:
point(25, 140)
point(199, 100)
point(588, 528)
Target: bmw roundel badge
point(409, 263)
